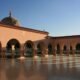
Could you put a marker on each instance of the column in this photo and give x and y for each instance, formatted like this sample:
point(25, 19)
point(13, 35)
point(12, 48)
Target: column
point(42, 51)
point(73, 50)
point(54, 51)
point(3, 52)
point(35, 52)
point(61, 51)
point(46, 52)
point(22, 51)
point(68, 51)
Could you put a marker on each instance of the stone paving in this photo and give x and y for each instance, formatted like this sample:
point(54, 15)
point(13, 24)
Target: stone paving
point(52, 68)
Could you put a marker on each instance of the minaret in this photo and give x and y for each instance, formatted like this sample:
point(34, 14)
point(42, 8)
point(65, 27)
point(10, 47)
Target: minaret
point(9, 13)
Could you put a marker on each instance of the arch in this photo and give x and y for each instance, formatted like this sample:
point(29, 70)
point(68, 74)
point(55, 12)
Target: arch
point(58, 49)
point(49, 48)
point(13, 45)
point(40, 47)
point(28, 48)
point(78, 48)
point(71, 49)
point(64, 49)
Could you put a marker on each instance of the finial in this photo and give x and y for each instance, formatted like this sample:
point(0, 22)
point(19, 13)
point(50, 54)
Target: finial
point(9, 13)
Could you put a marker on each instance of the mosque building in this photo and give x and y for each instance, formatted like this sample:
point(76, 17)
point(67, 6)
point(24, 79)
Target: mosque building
point(16, 41)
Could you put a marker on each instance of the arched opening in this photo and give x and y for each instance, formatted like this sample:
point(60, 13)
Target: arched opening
point(28, 49)
point(58, 49)
point(64, 49)
point(78, 48)
point(70, 49)
point(13, 48)
point(39, 49)
point(49, 49)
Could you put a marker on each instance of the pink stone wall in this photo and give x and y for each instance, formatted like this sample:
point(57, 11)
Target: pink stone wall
point(73, 41)
point(21, 35)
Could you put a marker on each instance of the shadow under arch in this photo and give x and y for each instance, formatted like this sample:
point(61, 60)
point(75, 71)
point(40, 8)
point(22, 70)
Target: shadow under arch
point(64, 49)
point(28, 48)
point(49, 48)
point(40, 48)
point(71, 49)
point(78, 48)
point(13, 46)
point(58, 49)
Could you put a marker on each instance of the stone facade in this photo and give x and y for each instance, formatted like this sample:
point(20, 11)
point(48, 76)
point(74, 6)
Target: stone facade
point(17, 40)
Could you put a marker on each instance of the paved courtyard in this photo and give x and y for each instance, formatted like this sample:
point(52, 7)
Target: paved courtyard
point(52, 68)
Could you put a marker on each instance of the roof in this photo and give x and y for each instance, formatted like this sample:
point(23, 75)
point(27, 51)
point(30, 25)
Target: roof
point(59, 37)
point(10, 20)
point(24, 28)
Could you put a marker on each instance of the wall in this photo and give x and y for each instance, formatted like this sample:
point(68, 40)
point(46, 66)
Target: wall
point(21, 35)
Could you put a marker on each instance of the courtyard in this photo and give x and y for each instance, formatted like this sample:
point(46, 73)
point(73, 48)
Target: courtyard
point(51, 68)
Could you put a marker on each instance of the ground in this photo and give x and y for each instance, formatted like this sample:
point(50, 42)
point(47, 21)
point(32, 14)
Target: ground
point(52, 68)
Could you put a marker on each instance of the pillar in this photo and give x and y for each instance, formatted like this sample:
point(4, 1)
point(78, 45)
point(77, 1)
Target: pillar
point(3, 53)
point(73, 50)
point(61, 50)
point(35, 52)
point(42, 51)
point(22, 50)
point(68, 51)
point(46, 52)
point(54, 50)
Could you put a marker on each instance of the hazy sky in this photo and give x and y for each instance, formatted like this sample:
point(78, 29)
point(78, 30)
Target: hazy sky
point(58, 17)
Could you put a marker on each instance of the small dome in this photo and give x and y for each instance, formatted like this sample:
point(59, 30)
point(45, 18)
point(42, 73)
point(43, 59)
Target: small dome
point(10, 21)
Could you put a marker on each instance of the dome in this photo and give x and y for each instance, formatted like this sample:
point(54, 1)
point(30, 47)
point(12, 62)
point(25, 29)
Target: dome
point(10, 21)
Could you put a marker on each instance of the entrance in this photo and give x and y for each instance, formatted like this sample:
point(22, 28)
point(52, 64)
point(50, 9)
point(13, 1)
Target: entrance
point(77, 48)
point(65, 50)
point(58, 49)
point(39, 49)
point(28, 49)
point(13, 48)
point(49, 49)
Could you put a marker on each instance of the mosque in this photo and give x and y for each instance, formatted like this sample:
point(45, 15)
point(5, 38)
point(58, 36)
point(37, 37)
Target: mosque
point(16, 41)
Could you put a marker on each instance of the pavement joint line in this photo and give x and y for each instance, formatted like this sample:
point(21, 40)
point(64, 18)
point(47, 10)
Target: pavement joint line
point(58, 62)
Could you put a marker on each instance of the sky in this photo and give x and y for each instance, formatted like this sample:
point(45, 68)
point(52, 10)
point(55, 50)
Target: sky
point(58, 17)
